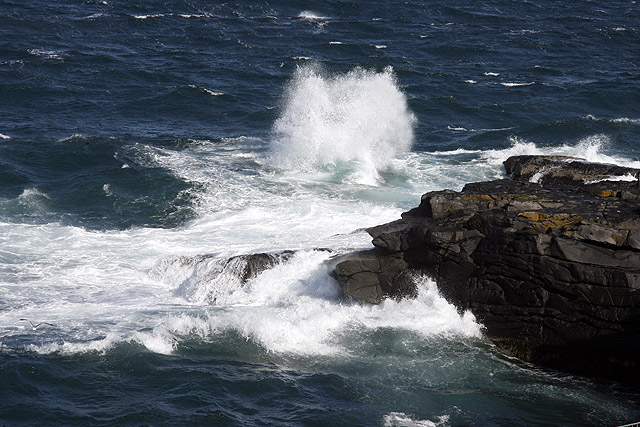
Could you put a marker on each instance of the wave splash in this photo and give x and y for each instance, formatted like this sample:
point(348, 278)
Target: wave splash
point(358, 121)
point(293, 309)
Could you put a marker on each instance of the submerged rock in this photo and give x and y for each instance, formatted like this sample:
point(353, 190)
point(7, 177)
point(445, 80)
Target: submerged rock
point(551, 269)
point(208, 278)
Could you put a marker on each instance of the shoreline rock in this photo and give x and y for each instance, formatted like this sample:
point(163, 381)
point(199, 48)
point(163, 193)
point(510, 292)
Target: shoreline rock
point(547, 260)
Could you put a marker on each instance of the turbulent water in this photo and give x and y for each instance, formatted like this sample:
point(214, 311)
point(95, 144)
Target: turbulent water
point(142, 144)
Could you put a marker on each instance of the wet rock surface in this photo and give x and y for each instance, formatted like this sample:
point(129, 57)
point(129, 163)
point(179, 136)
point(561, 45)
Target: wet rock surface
point(551, 268)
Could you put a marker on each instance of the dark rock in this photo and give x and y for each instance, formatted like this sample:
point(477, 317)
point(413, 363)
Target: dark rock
point(370, 277)
point(249, 266)
point(562, 169)
point(552, 269)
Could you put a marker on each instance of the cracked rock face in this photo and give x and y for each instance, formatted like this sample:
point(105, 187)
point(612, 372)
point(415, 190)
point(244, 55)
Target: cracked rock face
point(552, 269)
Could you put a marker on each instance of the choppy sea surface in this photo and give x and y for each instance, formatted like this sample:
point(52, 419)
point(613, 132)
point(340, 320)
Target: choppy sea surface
point(144, 143)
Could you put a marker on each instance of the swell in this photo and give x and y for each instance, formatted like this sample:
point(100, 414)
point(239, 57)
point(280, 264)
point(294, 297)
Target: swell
point(94, 182)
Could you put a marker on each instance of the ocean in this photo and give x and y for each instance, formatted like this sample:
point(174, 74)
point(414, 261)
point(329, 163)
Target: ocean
point(143, 144)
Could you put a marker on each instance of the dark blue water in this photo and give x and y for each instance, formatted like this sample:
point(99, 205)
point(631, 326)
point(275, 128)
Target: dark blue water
point(133, 134)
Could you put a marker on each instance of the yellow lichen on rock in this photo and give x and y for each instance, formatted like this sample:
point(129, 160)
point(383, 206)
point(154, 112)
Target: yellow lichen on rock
point(546, 221)
point(609, 193)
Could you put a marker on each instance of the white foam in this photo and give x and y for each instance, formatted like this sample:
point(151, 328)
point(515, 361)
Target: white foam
point(537, 177)
point(360, 120)
point(616, 120)
point(155, 15)
point(626, 120)
point(400, 419)
point(106, 188)
point(508, 84)
point(312, 16)
point(455, 152)
point(491, 74)
point(336, 43)
point(94, 288)
point(30, 201)
point(380, 46)
point(95, 16)
point(28, 193)
point(471, 81)
point(591, 148)
point(459, 128)
point(74, 136)
point(623, 178)
point(294, 308)
point(209, 91)
point(49, 54)
point(196, 15)
point(446, 169)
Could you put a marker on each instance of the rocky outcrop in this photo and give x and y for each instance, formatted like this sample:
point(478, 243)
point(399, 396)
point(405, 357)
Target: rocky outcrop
point(563, 170)
point(551, 268)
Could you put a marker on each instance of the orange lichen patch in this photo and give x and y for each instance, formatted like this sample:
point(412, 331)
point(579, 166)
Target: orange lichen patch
point(544, 221)
point(609, 193)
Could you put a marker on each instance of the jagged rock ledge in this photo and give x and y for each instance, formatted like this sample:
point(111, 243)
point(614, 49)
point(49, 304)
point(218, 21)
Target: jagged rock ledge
point(547, 260)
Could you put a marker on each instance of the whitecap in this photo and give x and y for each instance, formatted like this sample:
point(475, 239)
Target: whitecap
point(509, 84)
point(74, 136)
point(3, 136)
point(400, 419)
point(197, 15)
point(107, 189)
point(49, 54)
point(209, 91)
point(155, 15)
point(626, 120)
point(471, 81)
point(491, 74)
point(380, 46)
point(616, 120)
point(95, 16)
point(311, 16)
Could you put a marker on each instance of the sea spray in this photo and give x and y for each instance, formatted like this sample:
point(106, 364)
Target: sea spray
point(359, 121)
point(593, 148)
